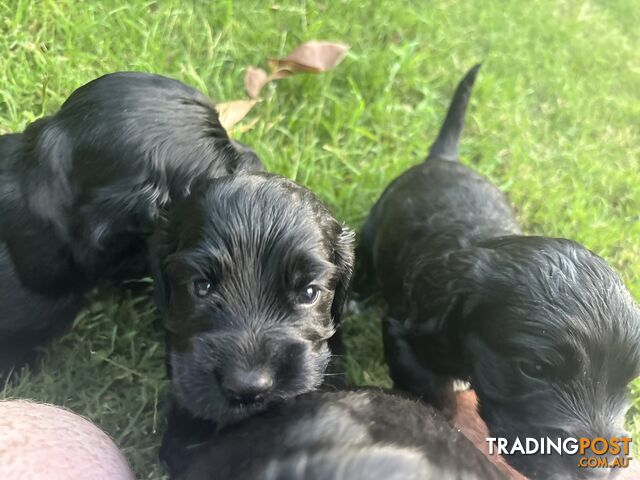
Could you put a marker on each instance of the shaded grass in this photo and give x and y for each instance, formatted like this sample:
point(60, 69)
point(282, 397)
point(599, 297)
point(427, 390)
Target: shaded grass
point(553, 121)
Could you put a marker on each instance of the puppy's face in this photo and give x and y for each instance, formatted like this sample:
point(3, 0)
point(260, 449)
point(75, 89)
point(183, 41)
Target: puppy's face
point(253, 273)
point(551, 338)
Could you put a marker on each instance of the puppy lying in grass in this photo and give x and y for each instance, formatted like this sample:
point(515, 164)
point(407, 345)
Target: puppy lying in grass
point(82, 190)
point(542, 328)
point(352, 435)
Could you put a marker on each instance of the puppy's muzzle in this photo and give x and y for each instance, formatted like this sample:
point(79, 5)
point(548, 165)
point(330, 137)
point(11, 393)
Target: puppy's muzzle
point(247, 386)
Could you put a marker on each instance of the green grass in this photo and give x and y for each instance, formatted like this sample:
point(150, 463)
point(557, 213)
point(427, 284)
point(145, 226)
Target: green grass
point(553, 121)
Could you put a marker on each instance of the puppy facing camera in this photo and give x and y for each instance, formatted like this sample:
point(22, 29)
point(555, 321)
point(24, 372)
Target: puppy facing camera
point(543, 329)
point(251, 274)
point(347, 435)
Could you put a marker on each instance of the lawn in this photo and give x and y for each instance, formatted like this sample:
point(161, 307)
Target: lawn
point(553, 121)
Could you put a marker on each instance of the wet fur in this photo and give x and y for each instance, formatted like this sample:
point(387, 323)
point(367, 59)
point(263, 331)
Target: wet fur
point(82, 190)
point(259, 239)
point(469, 297)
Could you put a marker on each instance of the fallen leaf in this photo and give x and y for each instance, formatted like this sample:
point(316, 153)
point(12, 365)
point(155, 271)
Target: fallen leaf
point(313, 57)
point(245, 127)
point(254, 80)
point(280, 74)
point(230, 113)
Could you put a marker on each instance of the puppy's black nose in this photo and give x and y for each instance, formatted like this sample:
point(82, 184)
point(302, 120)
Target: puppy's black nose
point(247, 386)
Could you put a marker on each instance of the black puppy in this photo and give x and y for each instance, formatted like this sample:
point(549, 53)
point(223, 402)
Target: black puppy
point(80, 192)
point(544, 329)
point(251, 274)
point(355, 435)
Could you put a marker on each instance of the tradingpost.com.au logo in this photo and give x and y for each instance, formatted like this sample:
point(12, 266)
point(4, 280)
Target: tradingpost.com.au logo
point(596, 452)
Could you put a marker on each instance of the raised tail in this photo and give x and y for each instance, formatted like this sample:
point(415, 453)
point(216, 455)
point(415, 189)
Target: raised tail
point(446, 145)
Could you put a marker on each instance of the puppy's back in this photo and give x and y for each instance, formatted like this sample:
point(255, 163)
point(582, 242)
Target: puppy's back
point(435, 206)
point(364, 463)
point(343, 435)
point(129, 117)
point(93, 178)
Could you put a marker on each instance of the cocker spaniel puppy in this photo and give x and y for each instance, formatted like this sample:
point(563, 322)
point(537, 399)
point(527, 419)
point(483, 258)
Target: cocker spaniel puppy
point(251, 274)
point(543, 329)
point(80, 192)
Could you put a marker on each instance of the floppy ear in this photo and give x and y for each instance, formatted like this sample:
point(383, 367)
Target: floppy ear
point(160, 247)
point(344, 259)
point(448, 288)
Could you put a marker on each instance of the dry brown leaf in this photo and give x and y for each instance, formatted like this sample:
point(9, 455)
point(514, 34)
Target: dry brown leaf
point(254, 80)
point(312, 57)
point(280, 74)
point(230, 113)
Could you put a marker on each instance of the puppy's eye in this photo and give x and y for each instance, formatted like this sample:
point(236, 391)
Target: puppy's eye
point(536, 370)
point(202, 288)
point(308, 296)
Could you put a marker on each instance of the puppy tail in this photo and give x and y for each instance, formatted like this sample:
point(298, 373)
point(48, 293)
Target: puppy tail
point(446, 145)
